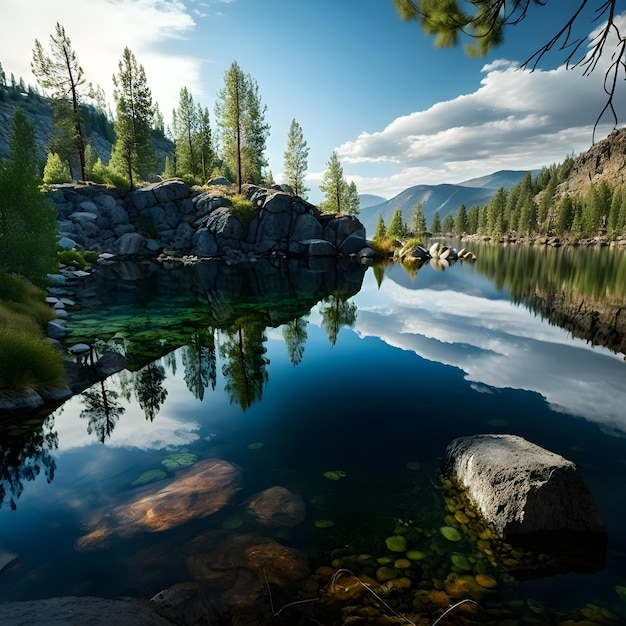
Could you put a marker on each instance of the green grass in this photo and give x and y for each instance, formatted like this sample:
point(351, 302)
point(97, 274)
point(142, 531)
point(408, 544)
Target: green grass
point(27, 358)
point(244, 210)
point(385, 247)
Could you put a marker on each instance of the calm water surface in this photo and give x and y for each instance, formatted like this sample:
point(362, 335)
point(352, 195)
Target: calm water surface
point(371, 385)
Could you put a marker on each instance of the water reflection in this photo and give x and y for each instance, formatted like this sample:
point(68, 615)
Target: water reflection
point(25, 452)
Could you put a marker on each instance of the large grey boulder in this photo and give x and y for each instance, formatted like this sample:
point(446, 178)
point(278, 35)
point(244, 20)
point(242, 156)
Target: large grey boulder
point(534, 498)
point(521, 488)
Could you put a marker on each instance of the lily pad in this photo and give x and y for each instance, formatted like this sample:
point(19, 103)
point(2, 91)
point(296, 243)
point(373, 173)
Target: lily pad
point(324, 523)
point(461, 562)
point(450, 533)
point(335, 475)
point(621, 592)
point(396, 543)
point(415, 555)
point(148, 477)
point(257, 445)
point(179, 459)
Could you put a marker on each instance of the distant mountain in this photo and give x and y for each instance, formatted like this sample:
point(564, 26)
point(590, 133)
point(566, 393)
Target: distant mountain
point(367, 199)
point(445, 198)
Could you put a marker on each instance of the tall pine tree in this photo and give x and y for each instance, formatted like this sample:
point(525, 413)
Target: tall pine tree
point(296, 160)
point(243, 131)
point(61, 74)
point(132, 155)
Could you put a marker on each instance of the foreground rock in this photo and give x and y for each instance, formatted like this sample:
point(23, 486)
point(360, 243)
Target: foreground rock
point(197, 493)
point(81, 611)
point(528, 494)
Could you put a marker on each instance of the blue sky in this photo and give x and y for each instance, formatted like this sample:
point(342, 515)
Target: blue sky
point(398, 111)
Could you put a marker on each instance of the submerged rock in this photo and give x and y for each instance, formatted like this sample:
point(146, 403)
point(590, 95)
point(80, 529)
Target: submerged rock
point(197, 493)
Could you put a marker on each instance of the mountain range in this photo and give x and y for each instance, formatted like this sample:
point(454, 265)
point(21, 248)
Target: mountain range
point(444, 198)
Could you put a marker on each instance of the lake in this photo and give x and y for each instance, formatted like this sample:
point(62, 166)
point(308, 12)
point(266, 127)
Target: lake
point(302, 412)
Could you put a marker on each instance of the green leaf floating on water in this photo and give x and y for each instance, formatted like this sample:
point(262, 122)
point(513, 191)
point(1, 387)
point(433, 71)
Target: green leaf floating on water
point(450, 533)
point(324, 523)
point(335, 475)
point(396, 543)
point(257, 445)
point(148, 477)
point(621, 592)
point(178, 460)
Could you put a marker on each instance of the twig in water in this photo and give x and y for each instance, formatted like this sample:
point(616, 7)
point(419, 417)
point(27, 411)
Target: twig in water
point(269, 593)
point(347, 571)
point(452, 609)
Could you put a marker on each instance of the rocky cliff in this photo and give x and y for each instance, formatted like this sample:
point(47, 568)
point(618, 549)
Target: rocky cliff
point(170, 218)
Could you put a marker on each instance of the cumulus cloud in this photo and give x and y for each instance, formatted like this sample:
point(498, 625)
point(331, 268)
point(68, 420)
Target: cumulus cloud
point(516, 119)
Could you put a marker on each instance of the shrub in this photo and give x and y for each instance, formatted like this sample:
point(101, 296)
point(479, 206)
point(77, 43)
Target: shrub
point(385, 247)
point(56, 170)
point(244, 210)
point(104, 175)
point(27, 359)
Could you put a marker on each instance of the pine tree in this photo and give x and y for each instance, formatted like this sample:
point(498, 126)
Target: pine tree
point(461, 223)
point(352, 204)
point(132, 155)
point(296, 160)
point(204, 145)
point(396, 228)
point(185, 126)
point(448, 225)
point(417, 222)
point(381, 229)
point(61, 74)
point(333, 186)
point(28, 225)
point(435, 225)
point(243, 131)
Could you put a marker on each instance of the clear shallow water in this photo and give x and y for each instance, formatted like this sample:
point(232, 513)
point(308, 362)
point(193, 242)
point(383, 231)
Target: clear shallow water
point(419, 361)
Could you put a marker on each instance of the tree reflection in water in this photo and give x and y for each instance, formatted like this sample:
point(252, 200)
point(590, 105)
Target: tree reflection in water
point(337, 311)
point(102, 410)
point(23, 456)
point(199, 361)
point(150, 390)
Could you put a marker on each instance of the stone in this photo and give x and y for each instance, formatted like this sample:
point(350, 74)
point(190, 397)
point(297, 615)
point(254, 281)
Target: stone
point(277, 507)
point(130, 243)
point(81, 610)
point(195, 494)
point(532, 497)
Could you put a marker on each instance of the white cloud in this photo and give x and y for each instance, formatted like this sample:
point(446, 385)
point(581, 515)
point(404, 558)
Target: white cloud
point(516, 119)
point(99, 31)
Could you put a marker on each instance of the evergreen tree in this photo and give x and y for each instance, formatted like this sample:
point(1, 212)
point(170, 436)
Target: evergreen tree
point(333, 186)
point(61, 74)
point(28, 225)
point(435, 225)
point(56, 170)
point(461, 223)
point(473, 220)
point(132, 155)
point(185, 126)
point(242, 128)
point(396, 228)
point(296, 160)
point(381, 229)
point(204, 145)
point(448, 225)
point(352, 203)
point(417, 222)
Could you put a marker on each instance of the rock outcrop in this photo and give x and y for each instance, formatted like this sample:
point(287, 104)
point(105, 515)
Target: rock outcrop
point(170, 216)
point(530, 496)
